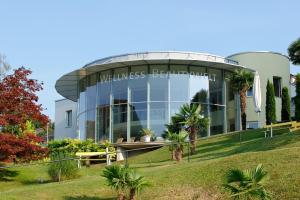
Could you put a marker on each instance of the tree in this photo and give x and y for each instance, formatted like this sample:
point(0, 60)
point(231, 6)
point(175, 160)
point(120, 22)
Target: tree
point(294, 52)
point(270, 104)
point(190, 117)
point(19, 102)
point(248, 184)
point(124, 178)
point(285, 105)
point(241, 81)
point(297, 98)
point(4, 66)
point(177, 143)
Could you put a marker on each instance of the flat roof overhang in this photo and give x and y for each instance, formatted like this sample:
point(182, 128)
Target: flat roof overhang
point(67, 84)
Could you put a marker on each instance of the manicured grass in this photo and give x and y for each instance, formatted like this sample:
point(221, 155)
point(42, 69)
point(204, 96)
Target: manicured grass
point(201, 178)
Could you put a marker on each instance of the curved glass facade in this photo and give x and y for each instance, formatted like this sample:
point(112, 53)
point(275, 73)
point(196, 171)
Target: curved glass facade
point(118, 103)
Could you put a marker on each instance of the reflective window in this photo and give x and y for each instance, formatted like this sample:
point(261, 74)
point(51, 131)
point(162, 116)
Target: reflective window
point(119, 122)
point(104, 87)
point(217, 119)
point(215, 86)
point(198, 84)
point(138, 119)
point(179, 83)
point(90, 124)
point(138, 83)
point(103, 123)
point(158, 117)
point(158, 80)
point(119, 85)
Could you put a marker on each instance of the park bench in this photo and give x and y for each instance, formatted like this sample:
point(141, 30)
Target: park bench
point(86, 156)
point(292, 126)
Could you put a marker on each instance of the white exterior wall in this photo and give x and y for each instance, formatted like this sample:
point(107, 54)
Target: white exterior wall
point(268, 65)
point(61, 130)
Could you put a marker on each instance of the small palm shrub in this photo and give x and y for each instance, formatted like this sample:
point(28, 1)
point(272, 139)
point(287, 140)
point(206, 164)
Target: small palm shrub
point(178, 141)
point(247, 184)
point(62, 166)
point(124, 180)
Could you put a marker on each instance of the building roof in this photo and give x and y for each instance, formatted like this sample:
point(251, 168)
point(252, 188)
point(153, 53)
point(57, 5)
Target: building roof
point(67, 84)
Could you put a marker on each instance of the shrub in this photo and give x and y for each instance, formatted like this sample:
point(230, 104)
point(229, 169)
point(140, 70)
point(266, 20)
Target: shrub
point(74, 145)
point(22, 148)
point(62, 166)
point(285, 105)
point(297, 98)
point(270, 104)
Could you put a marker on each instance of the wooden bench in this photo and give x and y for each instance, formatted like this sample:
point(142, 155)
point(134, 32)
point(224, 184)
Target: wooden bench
point(291, 126)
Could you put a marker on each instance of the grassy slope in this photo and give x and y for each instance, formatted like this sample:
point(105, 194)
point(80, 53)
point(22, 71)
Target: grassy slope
point(200, 178)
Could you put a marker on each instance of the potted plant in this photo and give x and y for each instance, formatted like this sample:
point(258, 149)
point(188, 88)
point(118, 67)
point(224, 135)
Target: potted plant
point(146, 134)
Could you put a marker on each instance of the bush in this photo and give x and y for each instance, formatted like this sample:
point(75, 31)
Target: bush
point(22, 148)
point(74, 145)
point(62, 166)
point(285, 105)
point(270, 104)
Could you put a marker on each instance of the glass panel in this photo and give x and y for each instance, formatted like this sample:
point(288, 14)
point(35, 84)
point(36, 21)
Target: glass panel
point(158, 117)
point(90, 125)
point(179, 83)
point(198, 84)
point(92, 79)
point(138, 119)
point(103, 123)
point(104, 88)
point(119, 122)
point(91, 97)
point(216, 119)
point(81, 126)
point(138, 83)
point(158, 83)
point(230, 106)
point(82, 102)
point(215, 86)
point(119, 86)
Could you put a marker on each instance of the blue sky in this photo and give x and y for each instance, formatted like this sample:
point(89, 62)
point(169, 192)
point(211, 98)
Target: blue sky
point(56, 37)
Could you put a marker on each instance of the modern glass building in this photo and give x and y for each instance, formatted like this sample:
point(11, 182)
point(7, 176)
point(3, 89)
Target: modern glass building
point(118, 96)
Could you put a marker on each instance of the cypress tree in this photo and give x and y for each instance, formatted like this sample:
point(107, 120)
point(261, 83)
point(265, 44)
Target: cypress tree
point(285, 105)
point(270, 104)
point(297, 98)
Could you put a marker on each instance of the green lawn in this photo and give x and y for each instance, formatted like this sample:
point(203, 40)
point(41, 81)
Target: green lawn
point(201, 178)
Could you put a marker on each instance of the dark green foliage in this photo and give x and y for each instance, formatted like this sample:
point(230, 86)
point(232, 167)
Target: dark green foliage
point(248, 184)
point(270, 104)
point(285, 105)
point(62, 166)
point(297, 98)
point(294, 52)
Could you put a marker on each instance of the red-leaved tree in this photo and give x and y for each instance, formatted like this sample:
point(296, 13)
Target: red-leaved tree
point(22, 148)
point(19, 102)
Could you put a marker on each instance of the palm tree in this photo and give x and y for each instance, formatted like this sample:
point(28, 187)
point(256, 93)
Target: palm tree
point(241, 81)
point(116, 178)
point(135, 183)
point(190, 116)
point(178, 142)
point(248, 184)
point(294, 52)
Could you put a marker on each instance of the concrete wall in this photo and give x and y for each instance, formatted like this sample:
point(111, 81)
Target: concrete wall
point(268, 64)
point(61, 130)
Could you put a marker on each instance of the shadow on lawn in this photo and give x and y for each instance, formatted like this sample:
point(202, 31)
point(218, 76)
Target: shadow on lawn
point(84, 197)
point(7, 175)
point(254, 143)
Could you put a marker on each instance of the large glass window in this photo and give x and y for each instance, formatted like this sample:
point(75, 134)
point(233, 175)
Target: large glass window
point(198, 84)
point(158, 117)
point(119, 85)
point(104, 87)
point(215, 86)
point(179, 83)
point(103, 121)
point(119, 122)
point(158, 80)
point(138, 119)
point(138, 84)
point(277, 86)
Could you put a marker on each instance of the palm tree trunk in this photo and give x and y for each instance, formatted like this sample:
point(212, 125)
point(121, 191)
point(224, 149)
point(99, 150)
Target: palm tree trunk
point(132, 194)
point(243, 101)
point(173, 155)
point(193, 138)
point(122, 196)
point(178, 153)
